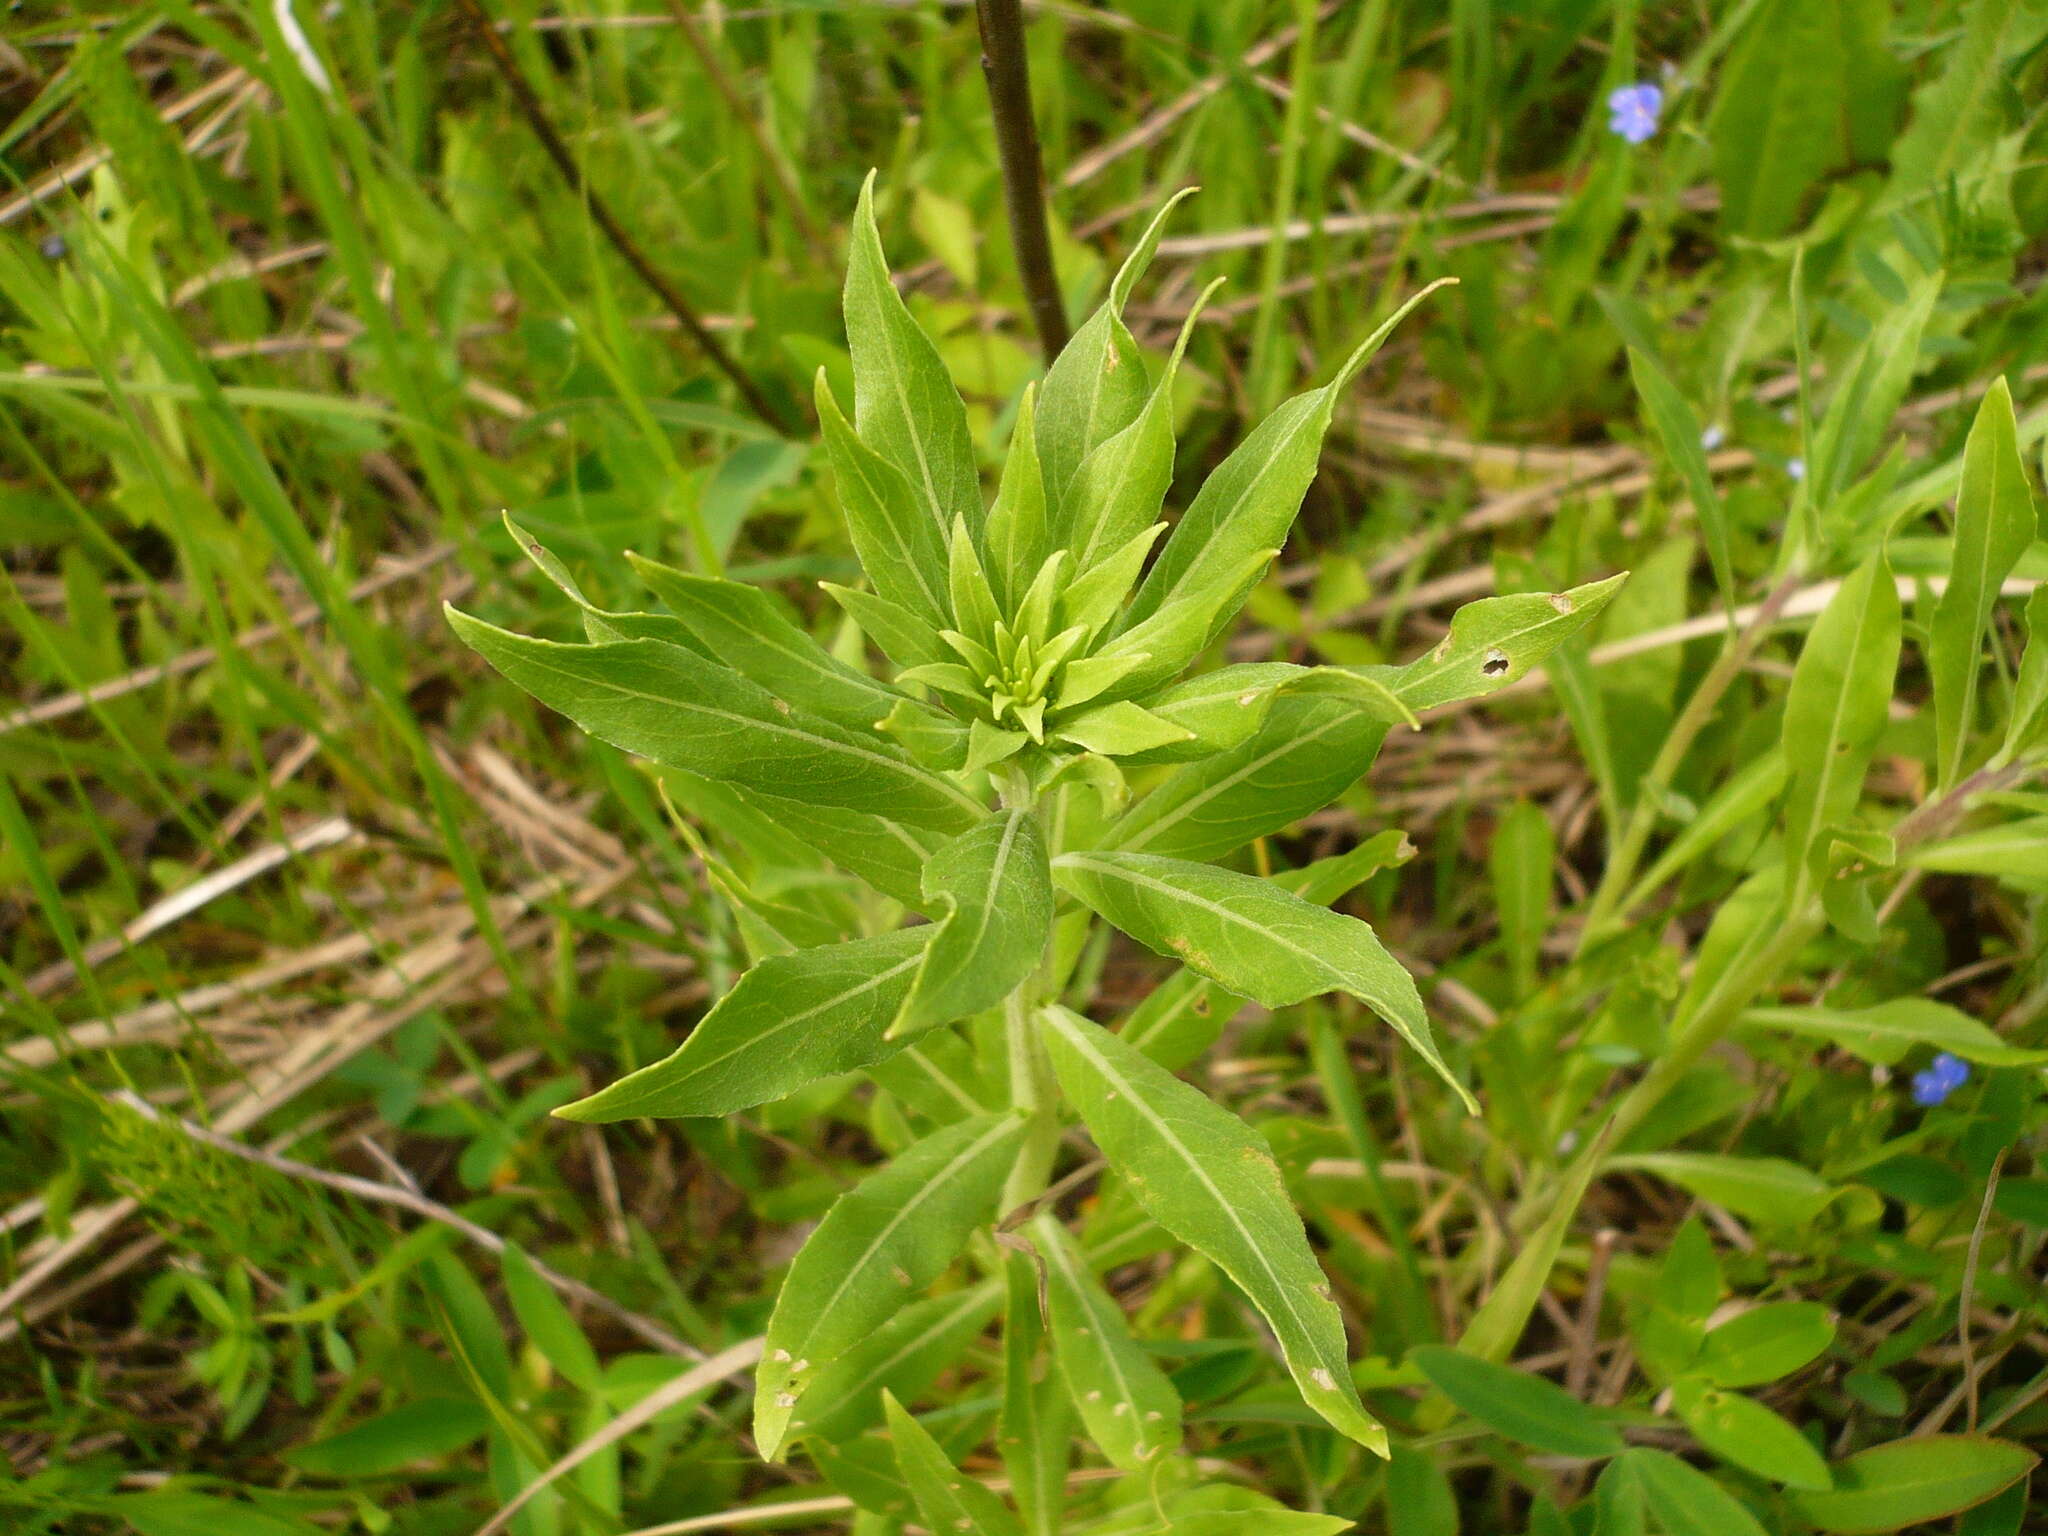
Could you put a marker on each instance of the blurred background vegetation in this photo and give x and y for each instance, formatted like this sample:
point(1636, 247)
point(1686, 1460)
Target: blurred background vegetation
point(295, 300)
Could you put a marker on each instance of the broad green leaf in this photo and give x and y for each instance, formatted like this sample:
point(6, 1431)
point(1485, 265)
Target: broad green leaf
point(1514, 1403)
point(1835, 709)
point(2002, 1516)
point(1158, 648)
point(888, 854)
point(996, 891)
point(905, 637)
point(905, 407)
point(1885, 1032)
point(1219, 709)
point(1117, 491)
point(1994, 526)
point(900, 548)
point(424, 1429)
point(1096, 386)
point(904, 1356)
point(1743, 1431)
point(1119, 730)
point(745, 628)
point(1248, 503)
point(1018, 536)
point(1777, 123)
point(1131, 1410)
point(1685, 1501)
point(1520, 861)
point(788, 1022)
point(1494, 642)
point(1184, 1014)
point(1210, 1180)
point(1308, 751)
point(547, 1323)
point(2015, 851)
point(663, 702)
point(1251, 936)
point(882, 1242)
point(948, 1500)
point(1762, 1188)
point(1910, 1482)
point(1765, 1343)
point(1678, 431)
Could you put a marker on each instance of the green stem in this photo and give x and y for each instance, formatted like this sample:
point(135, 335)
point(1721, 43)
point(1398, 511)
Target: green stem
point(1031, 1090)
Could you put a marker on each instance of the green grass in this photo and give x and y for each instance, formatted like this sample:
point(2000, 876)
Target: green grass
point(270, 370)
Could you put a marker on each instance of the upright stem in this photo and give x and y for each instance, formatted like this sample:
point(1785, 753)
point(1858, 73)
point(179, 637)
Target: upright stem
point(1031, 1090)
point(1008, 73)
point(671, 297)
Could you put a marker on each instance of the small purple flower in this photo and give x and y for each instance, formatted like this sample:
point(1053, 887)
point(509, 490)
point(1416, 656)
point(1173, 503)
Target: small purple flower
point(1944, 1075)
point(1796, 468)
point(1712, 436)
point(1632, 111)
point(54, 248)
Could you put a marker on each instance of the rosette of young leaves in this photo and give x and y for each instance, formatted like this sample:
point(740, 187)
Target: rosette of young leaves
point(980, 779)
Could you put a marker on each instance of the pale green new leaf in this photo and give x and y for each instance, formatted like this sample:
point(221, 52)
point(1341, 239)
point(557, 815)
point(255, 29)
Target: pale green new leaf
point(1248, 504)
point(674, 706)
point(905, 407)
point(882, 1242)
point(1120, 729)
point(1494, 642)
point(1221, 708)
point(906, 637)
point(1017, 537)
point(1208, 1178)
point(1096, 386)
point(900, 548)
point(1994, 526)
point(996, 889)
point(948, 1500)
point(1250, 935)
point(1131, 1410)
point(788, 1022)
point(1835, 708)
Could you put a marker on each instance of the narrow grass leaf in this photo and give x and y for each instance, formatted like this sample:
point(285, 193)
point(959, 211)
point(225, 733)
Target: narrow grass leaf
point(1678, 432)
point(946, 1498)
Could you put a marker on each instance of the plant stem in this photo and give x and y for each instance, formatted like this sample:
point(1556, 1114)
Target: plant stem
point(672, 300)
point(1699, 709)
point(1007, 70)
point(1031, 1090)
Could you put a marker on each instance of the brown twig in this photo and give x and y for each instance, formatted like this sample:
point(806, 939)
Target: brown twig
point(1008, 73)
point(530, 107)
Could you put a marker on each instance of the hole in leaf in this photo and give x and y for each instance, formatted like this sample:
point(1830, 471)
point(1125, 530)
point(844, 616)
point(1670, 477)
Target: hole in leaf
point(1495, 664)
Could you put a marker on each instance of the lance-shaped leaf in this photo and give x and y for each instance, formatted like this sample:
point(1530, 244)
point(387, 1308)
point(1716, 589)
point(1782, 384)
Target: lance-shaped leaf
point(744, 628)
point(946, 1499)
point(1835, 709)
point(904, 404)
point(1994, 526)
point(1096, 386)
point(883, 1241)
point(1309, 750)
point(1678, 430)
point(1494, 642)
point(1120, 729)
point(1117, 491)
point(789, 1021)
point(1913, 1482)
point(1260, 941)
point(1017, 536)
point(1219, 709)
point(906, 638)
point(1210, 1180)
point(901, 549)
point(2030, 689)
point(887, 853)
point(678, 708)
point(904, 1356)
point(995, 885)
point(1250, 501)
point(1885, 1032)
point(1037, 1421)
point(1131, 1410)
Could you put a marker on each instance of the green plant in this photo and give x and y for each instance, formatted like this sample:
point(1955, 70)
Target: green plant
point(1037, 761)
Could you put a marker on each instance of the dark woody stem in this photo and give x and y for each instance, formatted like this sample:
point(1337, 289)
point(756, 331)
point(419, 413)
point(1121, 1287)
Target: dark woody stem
point(1005, 68)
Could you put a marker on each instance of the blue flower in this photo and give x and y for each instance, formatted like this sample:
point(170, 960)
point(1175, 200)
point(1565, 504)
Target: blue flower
point(1796, 468)
point(1944, 1075)
point(1632, 111)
